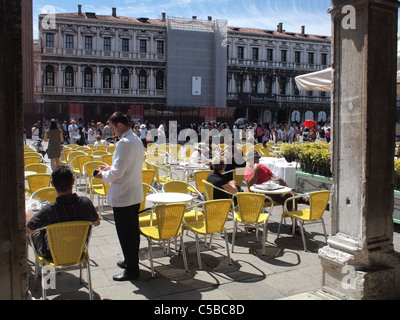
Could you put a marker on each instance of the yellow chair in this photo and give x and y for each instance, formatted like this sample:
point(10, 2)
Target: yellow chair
point(147, 218)
point(32, 154)
point(74, 154)
point(184, 187)
point(167, 230)
point(77, 164)
point(107, 159)
point(101, 189)
point(29, 160)
point(100, 152)
point(69, 247)
point(199, 176)
point(215, 215)
point(148, 176)
point(88, 169)
point(64, 155)
point(102, 148)
point(238, 176)
point(318, 203)
point(209, 190)
point(82, 148)
point(48, 194)
point(161, 179)
point(265, 152)
point(37, 167)
point(73, 146)
point(38, 181)
point(111, 149)
point(250, 213)
point(88, 151)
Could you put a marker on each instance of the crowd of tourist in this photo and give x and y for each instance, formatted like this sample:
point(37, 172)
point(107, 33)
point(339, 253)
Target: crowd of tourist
point(95, 132)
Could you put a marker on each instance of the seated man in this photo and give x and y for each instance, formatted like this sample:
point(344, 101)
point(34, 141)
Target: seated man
point(257, 173)
point(200, 154)
point(67, 207)
point(218, 179)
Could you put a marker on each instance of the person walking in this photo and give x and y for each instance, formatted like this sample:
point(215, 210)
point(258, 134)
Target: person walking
point(125, 193)
point(54, 137)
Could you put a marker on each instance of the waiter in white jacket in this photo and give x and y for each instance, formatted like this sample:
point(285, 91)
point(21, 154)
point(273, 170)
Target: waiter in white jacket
point(125, 193)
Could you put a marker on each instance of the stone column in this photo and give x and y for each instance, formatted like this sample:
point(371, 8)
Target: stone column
point(359, 261)
point(16, 90)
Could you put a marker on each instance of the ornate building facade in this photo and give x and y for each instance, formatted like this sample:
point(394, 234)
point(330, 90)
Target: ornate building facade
point(87, 66)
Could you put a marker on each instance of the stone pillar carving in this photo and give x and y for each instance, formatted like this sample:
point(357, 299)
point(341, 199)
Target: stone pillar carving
point(359, 261)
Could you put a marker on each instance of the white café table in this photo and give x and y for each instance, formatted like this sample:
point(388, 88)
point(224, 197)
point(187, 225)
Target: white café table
point(187, 168)
point(282, 169)
point(29, 173)
point(280, 190)
point(169, 197)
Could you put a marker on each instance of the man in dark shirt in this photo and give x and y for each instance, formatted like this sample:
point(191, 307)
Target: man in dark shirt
point(67, 207)
point(218, 179)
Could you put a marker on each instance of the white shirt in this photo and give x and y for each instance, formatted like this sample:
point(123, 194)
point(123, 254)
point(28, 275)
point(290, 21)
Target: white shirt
point(125, 175)
point(196, 158)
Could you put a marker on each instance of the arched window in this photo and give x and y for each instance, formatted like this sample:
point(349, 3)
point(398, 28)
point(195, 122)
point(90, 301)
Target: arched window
point(49, 76)
point(69, 76)
point(106, 78)
point(309, 115)
point(321, 116)
point(160, 80)
point(124, 79)
point(142, 80)
point(295, 116)
point(88, 77)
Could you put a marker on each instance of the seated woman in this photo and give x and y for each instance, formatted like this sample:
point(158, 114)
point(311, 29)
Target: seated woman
point(218, 179)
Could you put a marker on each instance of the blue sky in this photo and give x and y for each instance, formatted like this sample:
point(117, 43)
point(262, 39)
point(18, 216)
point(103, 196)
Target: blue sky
point(263, 14)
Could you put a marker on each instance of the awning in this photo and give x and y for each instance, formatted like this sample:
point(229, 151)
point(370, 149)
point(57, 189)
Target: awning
point(322, 80)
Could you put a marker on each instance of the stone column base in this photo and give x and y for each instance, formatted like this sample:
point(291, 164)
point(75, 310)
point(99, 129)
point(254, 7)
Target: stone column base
point(343, 279)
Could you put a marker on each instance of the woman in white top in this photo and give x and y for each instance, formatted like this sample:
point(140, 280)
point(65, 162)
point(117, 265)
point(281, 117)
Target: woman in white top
point(35, 132)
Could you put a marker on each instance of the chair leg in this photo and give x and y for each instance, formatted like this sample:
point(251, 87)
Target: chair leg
point(279, 228)
point(89, 280)
point(323, 226)
point(184, 254)
point(198, 252)
point(151, 257)
point(264, 238)
point(227, 248)
point(302, 235)
point(234, 235)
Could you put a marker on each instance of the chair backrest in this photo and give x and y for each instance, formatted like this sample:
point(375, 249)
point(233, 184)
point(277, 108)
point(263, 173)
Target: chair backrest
point(111, 149)
point(82, 160)
point(250, 206)
point(74, 154)
point(82, 148)
point(29, 160)
point(199, 176)
point(148, 176)
point(238, 176)
point(73, 146)
point(45, 194)
point(216, 213)
point(37, 167)
point(175, 186)
point(88, 169)
point(88, 151)
point(318, 202)
point(100, 152)
point(38, 181)
point(146, 188)
point(208, 190)
point(67, 241)
point(107, 159)
point(169, 219)
point(32, 154)
point(102, 148)
point(151, 166)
